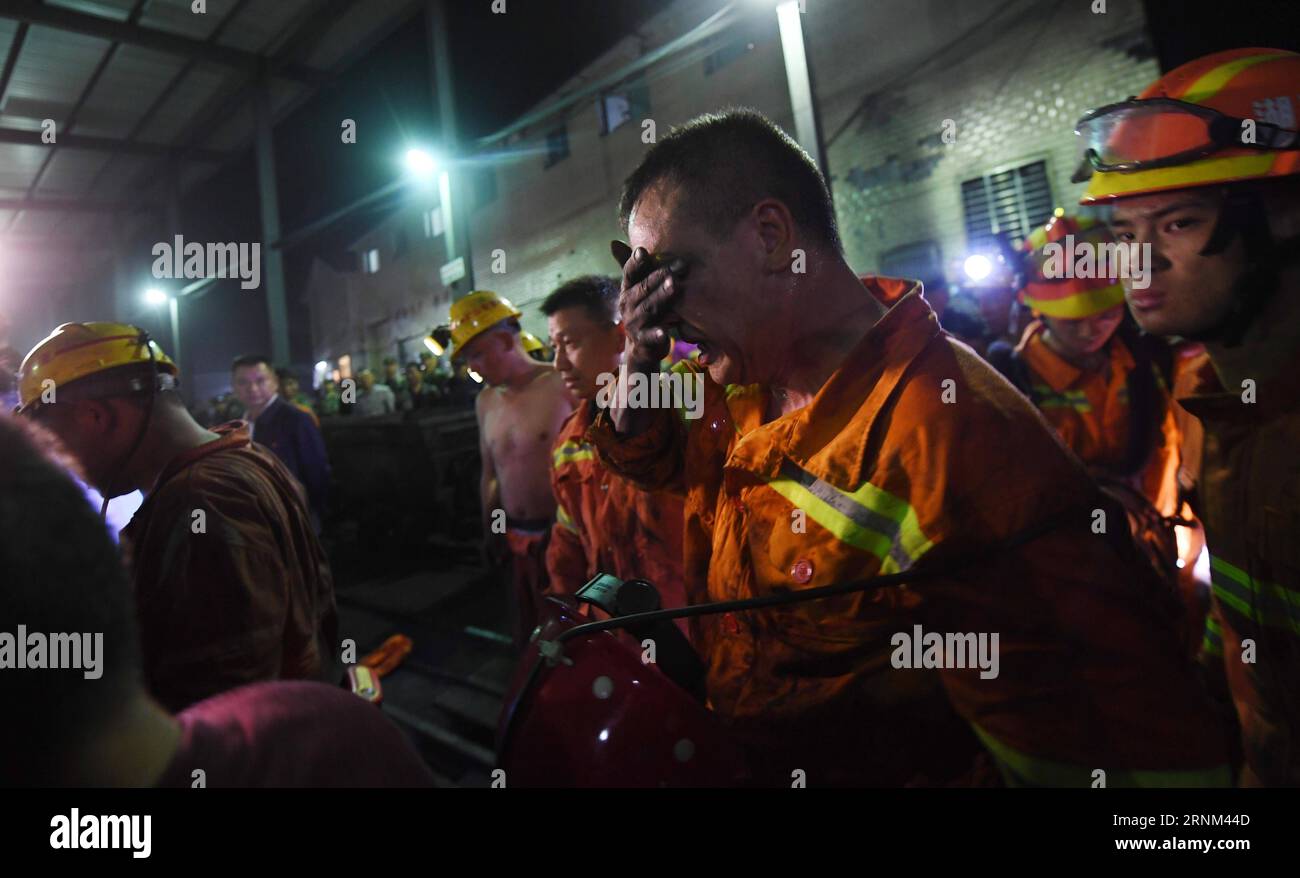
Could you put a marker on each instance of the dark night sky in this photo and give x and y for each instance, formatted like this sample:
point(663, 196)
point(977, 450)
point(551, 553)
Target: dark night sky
point(503, 64)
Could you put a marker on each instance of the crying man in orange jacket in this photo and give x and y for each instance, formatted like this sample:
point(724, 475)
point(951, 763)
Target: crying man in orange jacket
point(844, 435)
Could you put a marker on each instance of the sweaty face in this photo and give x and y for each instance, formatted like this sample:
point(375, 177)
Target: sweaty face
point(90, 432)
point(1189, 293)
point(489, 354)
point(584, 349)
point(254, 385)
point(1086, 335)
point(721, 307)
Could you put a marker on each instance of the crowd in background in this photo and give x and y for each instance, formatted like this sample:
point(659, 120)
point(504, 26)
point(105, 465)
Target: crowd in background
point(418, 387)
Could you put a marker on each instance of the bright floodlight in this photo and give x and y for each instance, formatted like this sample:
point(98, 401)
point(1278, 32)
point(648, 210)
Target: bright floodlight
point(422, 165)
point(977, 267)
point(155, 297)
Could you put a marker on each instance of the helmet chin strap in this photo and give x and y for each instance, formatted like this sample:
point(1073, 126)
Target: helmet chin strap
point(140, 433)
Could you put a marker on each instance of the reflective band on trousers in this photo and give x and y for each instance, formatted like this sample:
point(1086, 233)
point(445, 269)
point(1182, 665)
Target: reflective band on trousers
point(564, 518)
point(869, 519)
point(1213, 642)
point(1258, 601)
point(572, 452)
point(1022, 770)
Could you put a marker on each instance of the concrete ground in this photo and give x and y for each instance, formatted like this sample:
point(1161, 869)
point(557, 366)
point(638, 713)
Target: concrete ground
point(447, 694)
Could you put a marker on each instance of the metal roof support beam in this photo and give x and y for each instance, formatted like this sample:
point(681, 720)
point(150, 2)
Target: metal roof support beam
point(277, 312)
point(33, 12)
point(112, 144)
point(73, 205)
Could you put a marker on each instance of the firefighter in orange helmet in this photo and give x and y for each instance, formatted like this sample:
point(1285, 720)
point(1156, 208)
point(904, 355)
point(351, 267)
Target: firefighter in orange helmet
point(1201, 168)
point(1101, 386)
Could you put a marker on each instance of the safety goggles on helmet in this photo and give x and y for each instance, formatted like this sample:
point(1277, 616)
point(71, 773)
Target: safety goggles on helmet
point(1138, 135)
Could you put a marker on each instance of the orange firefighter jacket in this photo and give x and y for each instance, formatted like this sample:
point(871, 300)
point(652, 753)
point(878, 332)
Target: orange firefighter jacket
point(1091, 412)
point(915, 455)
point(605, 524)
point(1250, 492)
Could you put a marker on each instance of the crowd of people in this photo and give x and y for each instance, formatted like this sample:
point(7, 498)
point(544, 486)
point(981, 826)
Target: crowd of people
point(1036, 466)
point(418, 387)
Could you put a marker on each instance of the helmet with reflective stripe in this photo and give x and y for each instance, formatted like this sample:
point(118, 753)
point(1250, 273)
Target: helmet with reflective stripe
point(477, 312)
point(1048, 288)
point(1224, 118)
point(75, 352)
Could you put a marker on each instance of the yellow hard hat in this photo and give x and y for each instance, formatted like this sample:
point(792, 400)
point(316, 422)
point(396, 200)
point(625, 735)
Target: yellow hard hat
point(531, 342)
point(478, 311)
point(78, 350)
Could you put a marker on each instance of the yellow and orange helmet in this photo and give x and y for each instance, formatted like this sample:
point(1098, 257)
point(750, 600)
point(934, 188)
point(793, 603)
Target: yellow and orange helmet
point(75, 351)
point(1048, 290)
point(478, 311)
point(1224, 118)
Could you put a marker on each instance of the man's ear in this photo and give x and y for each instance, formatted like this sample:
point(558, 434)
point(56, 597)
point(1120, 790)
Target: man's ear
point(96, 417)
point(776, 232)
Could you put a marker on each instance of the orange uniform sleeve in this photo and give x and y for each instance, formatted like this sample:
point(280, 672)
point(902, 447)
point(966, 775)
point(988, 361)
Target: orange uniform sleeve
point(566, 559)
point(653, 461)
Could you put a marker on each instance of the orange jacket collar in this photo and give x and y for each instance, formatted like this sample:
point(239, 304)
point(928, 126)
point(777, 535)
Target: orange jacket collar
point(862, 384)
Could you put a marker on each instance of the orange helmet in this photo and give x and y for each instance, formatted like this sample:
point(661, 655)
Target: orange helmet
point(1224, 118)
point(1050, 285)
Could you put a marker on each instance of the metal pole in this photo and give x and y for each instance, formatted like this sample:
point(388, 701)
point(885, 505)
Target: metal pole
point(799, 78)
point(454, 194)
point(174, 305)
point(277, 312)
point(173, 215)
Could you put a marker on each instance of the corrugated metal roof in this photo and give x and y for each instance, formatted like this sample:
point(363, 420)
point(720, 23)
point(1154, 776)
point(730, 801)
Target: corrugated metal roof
point(127, 81)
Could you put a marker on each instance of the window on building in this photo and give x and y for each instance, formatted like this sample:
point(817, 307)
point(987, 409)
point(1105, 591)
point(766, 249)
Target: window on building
point(629, 102)
point(1006, 204)
point(433, 222)
point(557, 145)
point(370, 261)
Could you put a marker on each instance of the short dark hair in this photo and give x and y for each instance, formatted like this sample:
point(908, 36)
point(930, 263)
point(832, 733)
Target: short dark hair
point(250, 360)
point(62, 575)
point(593, 292)
point(727, 162)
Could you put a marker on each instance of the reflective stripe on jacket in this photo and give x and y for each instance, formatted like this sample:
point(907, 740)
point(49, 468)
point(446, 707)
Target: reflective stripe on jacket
point(914, 453)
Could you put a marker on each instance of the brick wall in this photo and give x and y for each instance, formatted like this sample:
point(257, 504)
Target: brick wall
point(1013, 75)
point(1014, 83)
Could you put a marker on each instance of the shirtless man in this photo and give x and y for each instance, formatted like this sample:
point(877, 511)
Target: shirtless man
point(520, 413)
